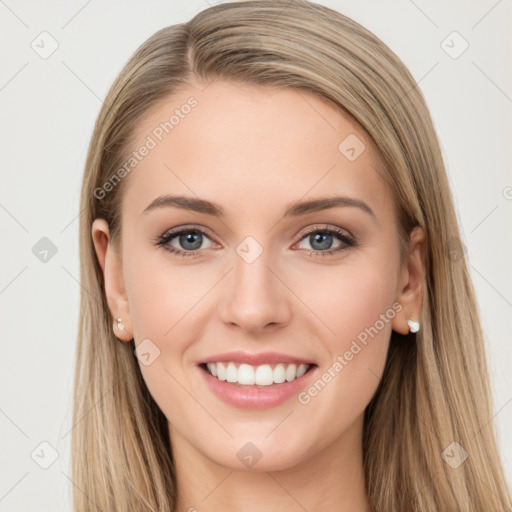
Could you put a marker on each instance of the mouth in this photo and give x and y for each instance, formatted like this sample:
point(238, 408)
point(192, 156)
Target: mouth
point(256, 380)
point(256, 376)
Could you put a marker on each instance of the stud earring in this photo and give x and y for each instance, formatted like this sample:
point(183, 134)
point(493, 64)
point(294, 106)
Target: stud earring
point(120, 326)
point(414, 326)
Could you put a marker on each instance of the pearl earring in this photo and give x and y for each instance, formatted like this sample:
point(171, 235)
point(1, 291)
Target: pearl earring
point(414, 326)
point(120, 326)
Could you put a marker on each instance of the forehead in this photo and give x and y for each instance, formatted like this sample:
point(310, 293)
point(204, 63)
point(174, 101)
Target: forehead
point(248, 146)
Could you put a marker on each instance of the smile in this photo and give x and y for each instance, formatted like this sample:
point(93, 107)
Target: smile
point(259, 381)
point(261, 375)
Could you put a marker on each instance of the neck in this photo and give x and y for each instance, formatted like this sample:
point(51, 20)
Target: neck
point(332, 480)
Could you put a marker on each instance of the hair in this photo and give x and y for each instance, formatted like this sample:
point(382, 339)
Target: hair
point(435, 387)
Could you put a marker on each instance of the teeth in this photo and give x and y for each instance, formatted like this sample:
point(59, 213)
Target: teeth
point(291, 372)
point(246, 374)
point(213, 369)
point(263, 375)
point(279, 374)
point(231, 373)
point(221, 371)
point(301, 370)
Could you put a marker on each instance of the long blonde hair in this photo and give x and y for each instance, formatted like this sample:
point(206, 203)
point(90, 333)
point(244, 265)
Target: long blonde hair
point(435, 389)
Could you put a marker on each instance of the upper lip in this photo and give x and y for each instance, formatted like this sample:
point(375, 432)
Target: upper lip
point(255, 359)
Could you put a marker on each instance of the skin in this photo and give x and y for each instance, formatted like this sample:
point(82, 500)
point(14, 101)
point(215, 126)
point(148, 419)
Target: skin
point(254, 150)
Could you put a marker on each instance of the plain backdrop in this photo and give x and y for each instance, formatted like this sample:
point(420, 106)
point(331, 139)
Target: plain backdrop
point(48, 108)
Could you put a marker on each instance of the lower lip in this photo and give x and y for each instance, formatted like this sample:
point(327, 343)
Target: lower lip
point(250, 397)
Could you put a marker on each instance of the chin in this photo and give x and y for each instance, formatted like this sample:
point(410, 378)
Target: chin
point(255, 456)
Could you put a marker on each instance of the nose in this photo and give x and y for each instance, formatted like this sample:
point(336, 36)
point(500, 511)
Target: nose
point(255, 297)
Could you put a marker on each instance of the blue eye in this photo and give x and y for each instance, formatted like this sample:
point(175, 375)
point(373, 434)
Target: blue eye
point(321, 241)
point(191, 241)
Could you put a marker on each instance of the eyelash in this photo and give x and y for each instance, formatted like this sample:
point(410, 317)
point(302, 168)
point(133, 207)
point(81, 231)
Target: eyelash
point(163, 241)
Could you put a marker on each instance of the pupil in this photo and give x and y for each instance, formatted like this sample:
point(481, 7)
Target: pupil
point(323, 239)
point(189, 238)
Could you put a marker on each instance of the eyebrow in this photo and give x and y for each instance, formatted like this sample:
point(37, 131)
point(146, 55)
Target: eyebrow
point(293, 210)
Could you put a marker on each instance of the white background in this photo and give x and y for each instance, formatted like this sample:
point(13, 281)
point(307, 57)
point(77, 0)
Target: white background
point(48, 110)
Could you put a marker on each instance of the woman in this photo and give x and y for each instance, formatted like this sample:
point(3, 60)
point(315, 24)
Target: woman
point(273, 316)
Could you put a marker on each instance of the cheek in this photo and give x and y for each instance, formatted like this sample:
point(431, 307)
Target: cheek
point(160, 302)
point(161, 295)
point(352, 298)
point(356, 307)
point(167, 305)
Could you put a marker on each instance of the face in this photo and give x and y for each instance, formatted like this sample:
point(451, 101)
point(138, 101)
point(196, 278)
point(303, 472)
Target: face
point(258, 279)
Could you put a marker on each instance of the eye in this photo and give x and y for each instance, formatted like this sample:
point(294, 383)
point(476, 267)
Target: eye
point(321, 241)
point(189, 241)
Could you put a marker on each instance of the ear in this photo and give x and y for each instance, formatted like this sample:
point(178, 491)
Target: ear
point(411, 282)
point(110, 263)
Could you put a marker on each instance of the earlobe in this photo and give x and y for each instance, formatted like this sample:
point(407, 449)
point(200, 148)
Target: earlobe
point(410, 287)
point(110, 264)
